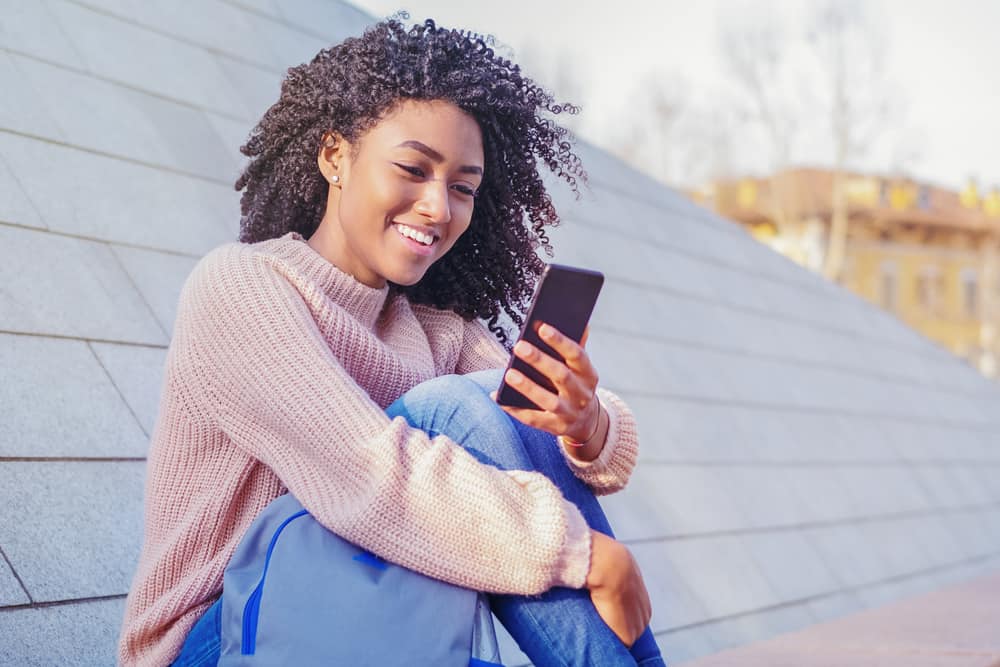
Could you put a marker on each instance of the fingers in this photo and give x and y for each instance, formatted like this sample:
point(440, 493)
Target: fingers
point(539, 395)
point(566, 381)
point(569, 378)
point(573, 352)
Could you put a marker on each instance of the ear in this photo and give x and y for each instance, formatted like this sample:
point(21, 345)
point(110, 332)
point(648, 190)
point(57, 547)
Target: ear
point(333, 155)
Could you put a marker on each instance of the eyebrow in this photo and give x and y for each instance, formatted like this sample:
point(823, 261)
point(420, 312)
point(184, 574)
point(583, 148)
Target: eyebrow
point(437, 157)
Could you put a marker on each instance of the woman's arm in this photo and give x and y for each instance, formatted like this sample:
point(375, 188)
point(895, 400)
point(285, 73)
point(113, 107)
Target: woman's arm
point(255, 365)
point(610, 470)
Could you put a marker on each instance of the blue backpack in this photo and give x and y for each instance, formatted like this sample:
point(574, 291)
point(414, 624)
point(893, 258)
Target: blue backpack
point(295, 593)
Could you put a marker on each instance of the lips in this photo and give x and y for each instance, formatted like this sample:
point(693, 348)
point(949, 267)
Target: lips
point(422, 236)
point(419, 242)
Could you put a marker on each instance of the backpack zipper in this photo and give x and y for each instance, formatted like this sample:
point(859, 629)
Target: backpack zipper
point(251, 611)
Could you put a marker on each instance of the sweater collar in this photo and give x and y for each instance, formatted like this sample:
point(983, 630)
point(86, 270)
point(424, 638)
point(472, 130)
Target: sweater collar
point(363, 302)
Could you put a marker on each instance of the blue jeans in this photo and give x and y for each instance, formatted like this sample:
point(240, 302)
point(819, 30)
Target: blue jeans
point(560, 627)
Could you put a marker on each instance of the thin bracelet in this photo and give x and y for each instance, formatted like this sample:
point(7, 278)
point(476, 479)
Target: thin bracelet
point(564, 440)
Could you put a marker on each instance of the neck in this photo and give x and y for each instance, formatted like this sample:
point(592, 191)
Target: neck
point(329, 242)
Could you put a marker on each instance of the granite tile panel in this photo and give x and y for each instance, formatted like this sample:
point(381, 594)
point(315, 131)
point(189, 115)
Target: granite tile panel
point(679, 647)
point(972, 532)
point(791, 565)
point(633, 365)
point(138, 374)
point(767, 623)
point(85, 530)
point(829, 607)
point(292, 46)
point(94, 114)
point(901, 551)
point(688, 431)
point(82, 633)
point(57, 401)
point(147, 60)
point(884, 489)
point(722, 575)
point(334, 20)
point(691, 373)
point(764, 494)
point(15, 207)
point(109, 118)
point(11, 592)
point(939, 544)
point(193, 142)
point(30, 27)
point(22, 109)
point(159, 277)
point(940, 485)
point(635, 514)
point(156, 209)
point(693, 498)
point(977, 488)
point(62, 286)
point(247, 37)
point(674, 604)
point(823, 494)
point(233, 134)
point(848, 555)
point(818, 438)
point(764, 435)
point(257, 89)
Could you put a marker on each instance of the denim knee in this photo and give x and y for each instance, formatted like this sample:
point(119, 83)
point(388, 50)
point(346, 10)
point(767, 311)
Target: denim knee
point(487, 380)
point(444, 399)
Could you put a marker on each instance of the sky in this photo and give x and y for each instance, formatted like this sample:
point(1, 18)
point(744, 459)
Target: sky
point(940, 65)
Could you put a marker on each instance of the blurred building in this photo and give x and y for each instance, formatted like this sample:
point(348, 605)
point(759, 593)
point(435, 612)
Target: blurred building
point(927, 254)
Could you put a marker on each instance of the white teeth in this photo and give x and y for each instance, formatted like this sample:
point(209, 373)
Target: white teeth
point(420, 237)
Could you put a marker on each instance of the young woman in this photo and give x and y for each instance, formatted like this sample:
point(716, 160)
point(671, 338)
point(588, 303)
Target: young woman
point(392, 200)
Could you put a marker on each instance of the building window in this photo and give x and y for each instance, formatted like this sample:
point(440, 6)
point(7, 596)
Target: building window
point(970, 292)
point(924, 198)
point(930, 287)
point(887, 285)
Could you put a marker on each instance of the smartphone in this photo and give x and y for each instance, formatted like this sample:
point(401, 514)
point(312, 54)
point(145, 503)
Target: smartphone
point(564, 297)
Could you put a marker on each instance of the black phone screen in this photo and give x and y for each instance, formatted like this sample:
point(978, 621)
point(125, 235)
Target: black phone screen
point(565, 298)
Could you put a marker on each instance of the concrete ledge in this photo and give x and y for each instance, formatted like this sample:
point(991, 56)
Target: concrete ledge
point(953, 627)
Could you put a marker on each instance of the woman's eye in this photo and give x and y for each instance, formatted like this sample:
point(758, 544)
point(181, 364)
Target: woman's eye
point(414, 171)
point(465, 190)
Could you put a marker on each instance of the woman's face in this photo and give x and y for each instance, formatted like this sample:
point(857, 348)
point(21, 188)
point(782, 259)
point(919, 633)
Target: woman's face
point(405, 193)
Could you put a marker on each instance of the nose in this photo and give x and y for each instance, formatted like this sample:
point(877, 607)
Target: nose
point(433, 203)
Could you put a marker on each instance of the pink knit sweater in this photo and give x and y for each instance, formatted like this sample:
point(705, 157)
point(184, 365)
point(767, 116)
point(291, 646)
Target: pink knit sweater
point(276, 378)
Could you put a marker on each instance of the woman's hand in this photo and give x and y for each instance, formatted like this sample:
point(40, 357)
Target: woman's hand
point(572, 410)
point(617, 589)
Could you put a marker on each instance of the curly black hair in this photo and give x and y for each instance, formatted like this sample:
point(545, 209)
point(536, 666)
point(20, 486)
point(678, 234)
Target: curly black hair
point(347, 88)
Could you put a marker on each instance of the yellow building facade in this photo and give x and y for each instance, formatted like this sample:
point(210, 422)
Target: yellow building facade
point(926, 254)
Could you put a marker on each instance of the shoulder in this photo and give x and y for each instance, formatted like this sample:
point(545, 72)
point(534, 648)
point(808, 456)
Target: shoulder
point(231, 268)
point(232, 258)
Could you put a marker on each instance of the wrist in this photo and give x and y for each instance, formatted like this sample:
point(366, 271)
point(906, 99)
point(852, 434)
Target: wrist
point(591, 448)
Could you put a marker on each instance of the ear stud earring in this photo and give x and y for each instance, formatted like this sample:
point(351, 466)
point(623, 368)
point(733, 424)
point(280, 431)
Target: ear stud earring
point(335, 179)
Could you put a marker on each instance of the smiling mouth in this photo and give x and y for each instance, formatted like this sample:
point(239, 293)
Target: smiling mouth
point(416, 235)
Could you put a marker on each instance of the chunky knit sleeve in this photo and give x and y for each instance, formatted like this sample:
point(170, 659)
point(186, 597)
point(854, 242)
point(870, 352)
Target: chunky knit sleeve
point(257, 367)
point(610, 471)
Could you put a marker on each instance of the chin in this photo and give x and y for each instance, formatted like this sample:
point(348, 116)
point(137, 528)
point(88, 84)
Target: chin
point(406, 279)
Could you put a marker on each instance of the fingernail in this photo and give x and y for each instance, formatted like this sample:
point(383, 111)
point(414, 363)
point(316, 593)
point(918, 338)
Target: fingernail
point(546, 331)
point(513, 377)
point(522, 347)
